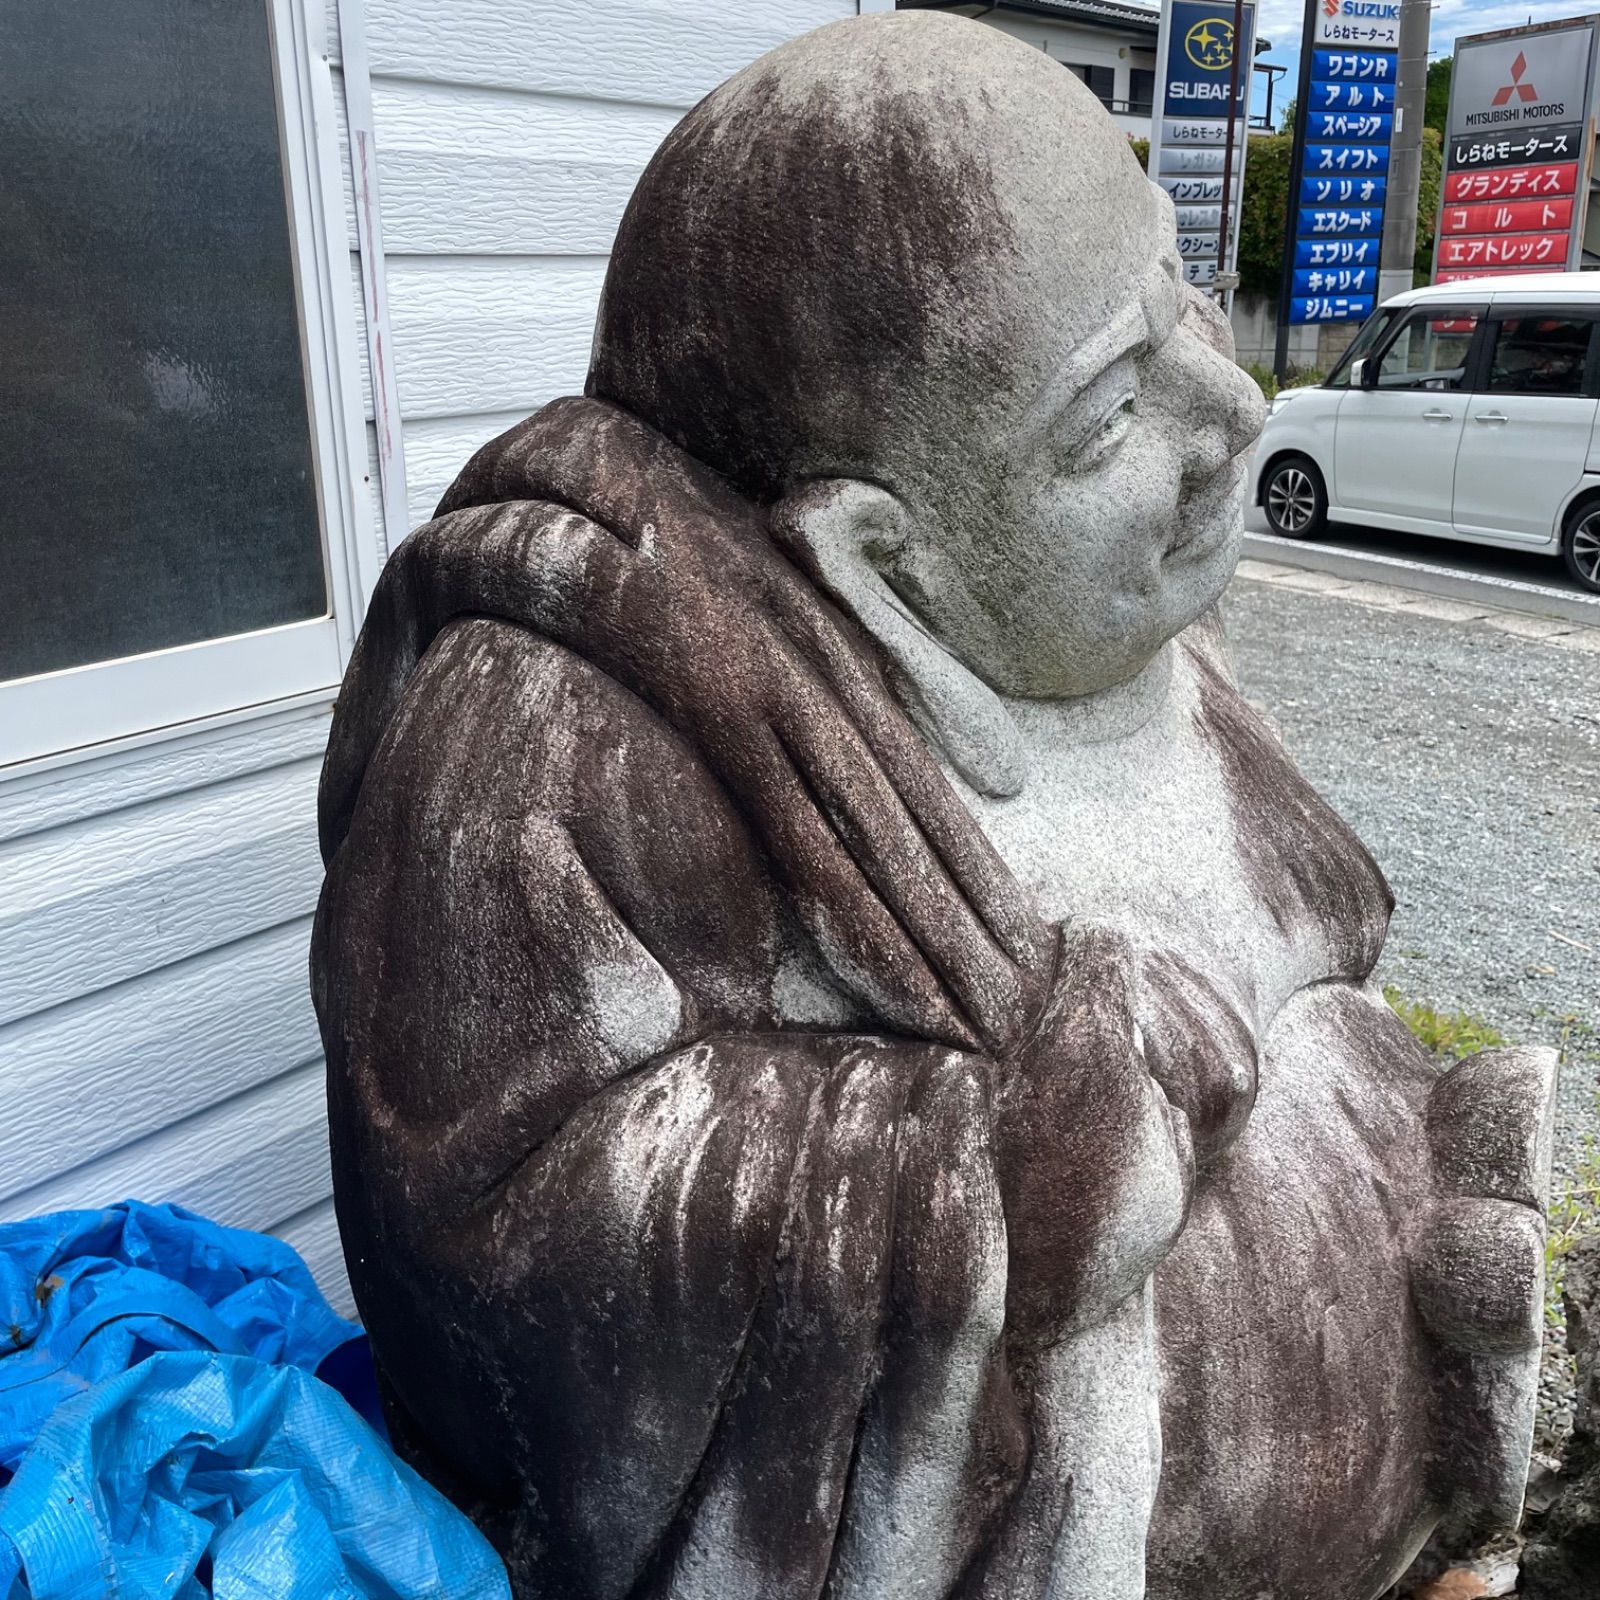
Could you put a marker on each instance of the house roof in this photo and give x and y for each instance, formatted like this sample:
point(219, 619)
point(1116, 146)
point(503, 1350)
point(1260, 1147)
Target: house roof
point(1121, 15)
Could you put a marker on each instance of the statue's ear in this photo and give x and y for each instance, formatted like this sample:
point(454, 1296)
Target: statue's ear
point(846, 534)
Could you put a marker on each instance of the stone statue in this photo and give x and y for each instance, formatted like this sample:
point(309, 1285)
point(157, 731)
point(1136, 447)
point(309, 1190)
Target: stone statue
point(852, 1058)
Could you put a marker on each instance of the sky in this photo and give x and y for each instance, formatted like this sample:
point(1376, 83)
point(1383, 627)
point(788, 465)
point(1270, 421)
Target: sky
point(1281, 21)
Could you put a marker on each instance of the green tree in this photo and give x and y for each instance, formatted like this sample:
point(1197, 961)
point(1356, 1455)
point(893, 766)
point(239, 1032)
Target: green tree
point(1438, 93)
point(1429, 184)
point(1266, 206)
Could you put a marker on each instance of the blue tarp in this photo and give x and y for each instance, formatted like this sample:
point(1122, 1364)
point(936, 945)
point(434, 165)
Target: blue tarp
point(194, 1474)
point(85, 1294)
point(169, 1439)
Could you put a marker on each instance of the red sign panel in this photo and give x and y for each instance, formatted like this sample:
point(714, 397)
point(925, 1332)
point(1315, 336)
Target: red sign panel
point(1482, 272)
point(1515, 216)
point(1513, 183)
point(1516, 250)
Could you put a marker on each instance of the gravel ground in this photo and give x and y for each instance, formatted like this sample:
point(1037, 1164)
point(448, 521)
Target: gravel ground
point(1469, 761)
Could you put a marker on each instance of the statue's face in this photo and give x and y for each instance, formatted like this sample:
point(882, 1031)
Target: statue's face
point(1102, 512)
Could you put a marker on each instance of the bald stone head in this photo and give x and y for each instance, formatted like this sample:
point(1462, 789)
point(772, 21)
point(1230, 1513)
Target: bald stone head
point(908, 267)
point(867, 215)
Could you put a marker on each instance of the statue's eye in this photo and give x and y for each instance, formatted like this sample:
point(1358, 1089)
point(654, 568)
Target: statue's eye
point(1107, 434)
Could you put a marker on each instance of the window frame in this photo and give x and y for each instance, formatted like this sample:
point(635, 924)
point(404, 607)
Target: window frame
point(56, 718)
point(1556, 311)
point(1442, 311)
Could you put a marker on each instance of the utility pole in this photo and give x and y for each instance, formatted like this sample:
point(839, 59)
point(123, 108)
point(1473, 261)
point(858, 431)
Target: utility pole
point(1302, 109)
point(1405, 159)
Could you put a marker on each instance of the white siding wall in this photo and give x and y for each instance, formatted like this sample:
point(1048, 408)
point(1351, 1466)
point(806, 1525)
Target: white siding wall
point(510, 134)
point(156, 1034)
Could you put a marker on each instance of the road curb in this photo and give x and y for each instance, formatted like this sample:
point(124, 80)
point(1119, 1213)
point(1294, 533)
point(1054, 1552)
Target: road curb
point(1506, 594)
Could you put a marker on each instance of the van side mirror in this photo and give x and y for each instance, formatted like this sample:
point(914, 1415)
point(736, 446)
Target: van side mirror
point(1358, 373)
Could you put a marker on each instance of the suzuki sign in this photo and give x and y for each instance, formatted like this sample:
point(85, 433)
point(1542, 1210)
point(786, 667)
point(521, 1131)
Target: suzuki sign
point(1519, 129)
point(1358, 24)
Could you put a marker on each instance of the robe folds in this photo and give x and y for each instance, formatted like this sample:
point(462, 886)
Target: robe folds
point(725, 1147)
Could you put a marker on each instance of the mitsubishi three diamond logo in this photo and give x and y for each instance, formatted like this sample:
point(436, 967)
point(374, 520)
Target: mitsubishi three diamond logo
point(1525, 92)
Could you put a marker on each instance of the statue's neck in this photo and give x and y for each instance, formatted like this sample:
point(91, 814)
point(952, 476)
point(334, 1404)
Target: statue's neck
point(1112, 713)
point(989, 739)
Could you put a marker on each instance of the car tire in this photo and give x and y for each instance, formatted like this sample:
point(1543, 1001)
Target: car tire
point(1580, 546)
point(1294, 498)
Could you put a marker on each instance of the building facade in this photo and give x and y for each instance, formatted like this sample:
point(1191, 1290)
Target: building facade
point(1110, 44)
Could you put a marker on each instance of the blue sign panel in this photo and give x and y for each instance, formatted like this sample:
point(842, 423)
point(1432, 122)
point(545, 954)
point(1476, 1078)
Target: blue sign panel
point(1347, 127)
point(1318, 224)
point(1354, 66)
point(1323, 281)
point(1344, 136)
point(1346, 158)
point(1336, 253)
point(1342, 191)
point(1353, 96)
point(1331, 308)
point(1200, 64)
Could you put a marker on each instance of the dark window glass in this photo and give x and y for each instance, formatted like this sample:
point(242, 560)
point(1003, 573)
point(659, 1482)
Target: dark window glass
point(1102, 81)
point(1361, 347)
point(1141, 91)
point(1539, 355)
point(156, 481)
point(1429, 352)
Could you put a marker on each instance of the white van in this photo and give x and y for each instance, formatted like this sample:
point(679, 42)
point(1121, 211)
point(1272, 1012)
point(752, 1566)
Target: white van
point(1464, 410)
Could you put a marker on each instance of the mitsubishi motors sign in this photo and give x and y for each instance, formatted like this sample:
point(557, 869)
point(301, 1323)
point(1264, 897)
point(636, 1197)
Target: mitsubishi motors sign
point(1519, 130)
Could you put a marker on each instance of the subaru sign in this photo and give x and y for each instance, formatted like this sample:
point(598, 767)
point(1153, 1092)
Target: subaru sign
point(1204, 72)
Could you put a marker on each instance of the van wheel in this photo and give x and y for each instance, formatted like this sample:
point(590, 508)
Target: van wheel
point(1580, 547)
point(1294, 498)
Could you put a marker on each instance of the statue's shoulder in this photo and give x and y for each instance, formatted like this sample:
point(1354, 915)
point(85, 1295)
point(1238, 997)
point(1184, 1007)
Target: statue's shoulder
point(549, 784)
point(1305, 862)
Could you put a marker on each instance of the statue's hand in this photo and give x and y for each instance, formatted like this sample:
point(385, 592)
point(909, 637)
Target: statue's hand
point(1096, 1165)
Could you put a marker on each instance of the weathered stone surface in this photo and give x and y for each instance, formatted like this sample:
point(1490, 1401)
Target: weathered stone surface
point(1562, 1560)
point(852, 1059)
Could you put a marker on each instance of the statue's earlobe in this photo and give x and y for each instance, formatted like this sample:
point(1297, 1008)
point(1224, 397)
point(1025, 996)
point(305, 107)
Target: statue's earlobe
point(845, 532)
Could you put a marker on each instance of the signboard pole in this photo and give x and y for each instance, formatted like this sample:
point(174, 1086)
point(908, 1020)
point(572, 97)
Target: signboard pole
point(1228, 257)
point(1291, 210)
point(1396, 258)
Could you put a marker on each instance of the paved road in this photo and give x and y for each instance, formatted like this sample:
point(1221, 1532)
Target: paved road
point(1467, 756)
point(1523, 565)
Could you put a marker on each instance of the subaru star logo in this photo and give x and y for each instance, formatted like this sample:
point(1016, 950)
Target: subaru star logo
point(1209, 44)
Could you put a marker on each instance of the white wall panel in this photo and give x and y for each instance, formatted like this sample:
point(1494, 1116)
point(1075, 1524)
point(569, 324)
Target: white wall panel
point(92, 789)
point(250, 1162)
point(99, 902)
point(474, 170)
point(115, 1066)
point(315, 1234)
point(661, 52)
point(443, 446)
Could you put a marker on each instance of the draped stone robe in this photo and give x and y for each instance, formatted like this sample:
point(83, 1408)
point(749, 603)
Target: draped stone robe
point(677, 1011)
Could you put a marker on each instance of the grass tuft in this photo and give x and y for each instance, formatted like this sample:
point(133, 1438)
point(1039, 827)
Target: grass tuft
point(1450, 1034)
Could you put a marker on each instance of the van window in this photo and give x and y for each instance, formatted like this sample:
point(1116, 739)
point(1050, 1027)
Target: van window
point(1429, 351)
point(1539, 355)
point(1364, 343)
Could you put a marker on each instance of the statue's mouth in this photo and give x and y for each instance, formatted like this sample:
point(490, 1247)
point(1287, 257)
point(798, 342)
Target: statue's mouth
point(1210, 514)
